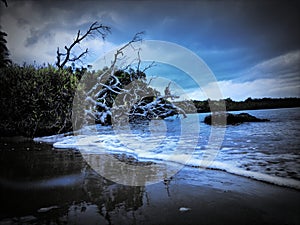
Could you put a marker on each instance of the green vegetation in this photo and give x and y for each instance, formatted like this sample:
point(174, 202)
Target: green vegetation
point(36, 100)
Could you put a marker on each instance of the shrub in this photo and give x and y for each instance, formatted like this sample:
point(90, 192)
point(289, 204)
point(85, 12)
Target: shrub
point(36, 100)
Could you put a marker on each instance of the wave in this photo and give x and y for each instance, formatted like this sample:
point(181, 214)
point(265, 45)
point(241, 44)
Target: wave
point(280, 181)
point(109, 143)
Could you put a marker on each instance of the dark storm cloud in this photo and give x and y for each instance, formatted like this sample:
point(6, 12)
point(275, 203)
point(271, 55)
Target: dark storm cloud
point(268, 26)
point(246, 32)
point(22, 22)
point(275, 25)
point(247, 44)
point(36, 35)
point(264, 28)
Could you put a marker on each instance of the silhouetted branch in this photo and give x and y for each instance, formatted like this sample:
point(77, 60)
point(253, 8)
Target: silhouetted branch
point(137, 37)
point(64, 58)
point(148, 67)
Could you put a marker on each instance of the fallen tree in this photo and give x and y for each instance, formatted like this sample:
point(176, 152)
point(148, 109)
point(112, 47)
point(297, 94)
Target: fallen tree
point(126, 97)
point(122, 95)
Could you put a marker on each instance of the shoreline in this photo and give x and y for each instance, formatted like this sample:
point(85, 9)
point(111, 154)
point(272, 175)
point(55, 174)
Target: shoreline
point(292, 183)
point(58, 186)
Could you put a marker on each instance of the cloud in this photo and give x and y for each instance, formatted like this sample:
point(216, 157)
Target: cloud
point(33, 35)
point(238, 40)
point(260, 88)
point(276, 77)
point(286, 65)
point(36, 35)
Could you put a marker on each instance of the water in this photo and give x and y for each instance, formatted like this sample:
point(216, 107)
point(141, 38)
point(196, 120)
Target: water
point(43, 185)
point(269, 148)
point(40, 184)
point(267, 151)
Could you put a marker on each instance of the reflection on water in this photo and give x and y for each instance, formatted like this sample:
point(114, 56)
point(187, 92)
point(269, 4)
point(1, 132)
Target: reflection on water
point(42, 185)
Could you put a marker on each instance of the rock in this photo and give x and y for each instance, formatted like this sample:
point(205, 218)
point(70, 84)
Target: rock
point(232, 119)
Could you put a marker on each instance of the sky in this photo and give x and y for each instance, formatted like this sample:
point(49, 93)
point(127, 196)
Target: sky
point(251, 47)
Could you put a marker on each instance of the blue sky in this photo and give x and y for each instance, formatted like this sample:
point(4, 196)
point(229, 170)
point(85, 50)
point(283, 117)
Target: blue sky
point(252, 47)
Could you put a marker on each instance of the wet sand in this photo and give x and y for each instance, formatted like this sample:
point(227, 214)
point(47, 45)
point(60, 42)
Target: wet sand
point(221, 198)
point(41, 185)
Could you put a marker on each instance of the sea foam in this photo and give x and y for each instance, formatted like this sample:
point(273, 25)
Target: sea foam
point(162, 151)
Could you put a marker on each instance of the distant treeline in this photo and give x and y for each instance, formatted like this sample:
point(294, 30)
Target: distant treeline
point(248, 104)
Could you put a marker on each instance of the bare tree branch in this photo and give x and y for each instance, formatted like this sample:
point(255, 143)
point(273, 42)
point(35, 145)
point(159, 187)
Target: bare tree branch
point(101, 91)
point(149, 66)
point(78, 57)
point(137, 37)
point(64, 58)
point(152, 78)
point(120, 96)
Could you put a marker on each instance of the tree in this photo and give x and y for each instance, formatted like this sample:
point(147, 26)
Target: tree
point(4, 53)
point(126, 97)
point(122, 95)
point(64, 58)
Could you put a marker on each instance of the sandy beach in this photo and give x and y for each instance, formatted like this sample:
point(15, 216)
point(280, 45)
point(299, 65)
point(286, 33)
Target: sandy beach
point(57, 187)
point(220, 198)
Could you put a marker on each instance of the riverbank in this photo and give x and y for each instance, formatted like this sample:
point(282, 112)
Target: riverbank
point(40, 185)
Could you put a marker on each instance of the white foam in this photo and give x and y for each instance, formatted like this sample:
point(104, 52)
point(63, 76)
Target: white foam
point(280, 181)
point(110, 143)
